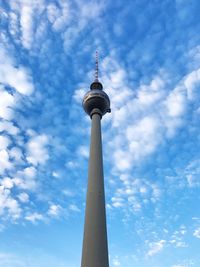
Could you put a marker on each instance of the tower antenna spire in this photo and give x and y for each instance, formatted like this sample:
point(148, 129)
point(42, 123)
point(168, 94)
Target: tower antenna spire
point(97, 67)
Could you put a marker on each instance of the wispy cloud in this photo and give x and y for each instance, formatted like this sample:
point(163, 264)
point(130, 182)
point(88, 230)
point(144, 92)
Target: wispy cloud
point(197, 233)
point(17, 77)
point(156, 247)
point(54, 210)
point(116, 261)
point(36, 150)
point(34, 217)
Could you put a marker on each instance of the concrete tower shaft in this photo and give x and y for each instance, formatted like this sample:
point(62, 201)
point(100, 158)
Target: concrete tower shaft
point(95, 246)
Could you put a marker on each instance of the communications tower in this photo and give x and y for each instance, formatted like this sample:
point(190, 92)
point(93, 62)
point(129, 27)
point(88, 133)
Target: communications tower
point(96, 103)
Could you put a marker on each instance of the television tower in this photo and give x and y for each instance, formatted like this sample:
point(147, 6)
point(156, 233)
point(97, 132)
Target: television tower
point(96, 103)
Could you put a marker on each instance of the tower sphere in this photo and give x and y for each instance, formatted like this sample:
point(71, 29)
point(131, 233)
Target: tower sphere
point(96, 98)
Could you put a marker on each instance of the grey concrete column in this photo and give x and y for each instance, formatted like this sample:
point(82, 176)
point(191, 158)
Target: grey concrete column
point(95, 246)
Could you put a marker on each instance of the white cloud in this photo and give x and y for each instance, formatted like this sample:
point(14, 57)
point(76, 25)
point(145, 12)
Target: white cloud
point(117, 202)
point(176, 103)
point(116, 261)
point(26, 178)
point(79, 94)
point(197, 233)
point(83, 151)
point(16, 153)
point(27, 25)
point(29, 172)
point(177, 238)
point(135, 193)
point(178, 243)
point(54, 210)
point(79, 19)
point(181, 244)
point(8, 126)
point(59, 17)
point(71, 164)
point(137, 118)
point(143, 137)
point(122, 159)
point(5, 163)
point(73, 207)
point(13, 208)
point(7, 182)
point(55, 174)
point(68, 193)
point(142, 119)
point(22, 20)
point(96, 7)
point(14, 28)
point(23, 197)
point(6, 103)
point(143, 189)
point(156, 192)
point(52, 12)
point(191, 81)
point(191, 180)
point(152, 93)
point(16, 77)
point(4, 142)
point(8, 204)
point(155, 248)
point(33, 217)
point(37, 152)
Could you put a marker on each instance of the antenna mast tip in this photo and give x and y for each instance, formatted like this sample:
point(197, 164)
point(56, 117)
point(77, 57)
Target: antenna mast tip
point(97, 67)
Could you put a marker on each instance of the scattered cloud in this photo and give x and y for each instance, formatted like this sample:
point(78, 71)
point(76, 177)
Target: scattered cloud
point(59, 17)
point(5, 163)
point(156, 247)
point(34, 217)
point(9, 207)
point(116, 261)
point(68, 193)
point(55, 174)
point(4, 142)
point(135, 193)
point(83, 151)
point(74, 207)
point(37, 152)
point(177, 238)
point(22, 82)
point(54, 210)
point(23, 197)
point(7, 182)
point(8, 127)
point(6, 104)
point(26, 178)
point(197, 233)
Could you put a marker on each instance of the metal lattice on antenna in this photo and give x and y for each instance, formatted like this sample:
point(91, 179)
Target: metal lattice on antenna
point(97, 67)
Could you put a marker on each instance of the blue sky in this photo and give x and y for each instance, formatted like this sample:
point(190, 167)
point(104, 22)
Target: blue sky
point(150, 67)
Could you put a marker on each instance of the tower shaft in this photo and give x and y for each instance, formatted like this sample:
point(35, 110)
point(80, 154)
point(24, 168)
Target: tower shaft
point(95, 246)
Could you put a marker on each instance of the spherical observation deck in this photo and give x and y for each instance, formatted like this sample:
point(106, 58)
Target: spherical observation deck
point(96, 99)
